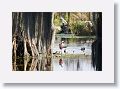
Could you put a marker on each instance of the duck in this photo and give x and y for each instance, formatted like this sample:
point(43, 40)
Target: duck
point(83, 49)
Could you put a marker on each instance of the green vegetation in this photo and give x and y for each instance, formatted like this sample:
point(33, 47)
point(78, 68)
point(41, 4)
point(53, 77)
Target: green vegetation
point(78, 23)
point(70, 56)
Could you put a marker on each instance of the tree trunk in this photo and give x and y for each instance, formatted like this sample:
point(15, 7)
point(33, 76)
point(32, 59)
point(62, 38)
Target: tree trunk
point(35, 29)
point(68, 18)
point(97, 45)
point(14, 53)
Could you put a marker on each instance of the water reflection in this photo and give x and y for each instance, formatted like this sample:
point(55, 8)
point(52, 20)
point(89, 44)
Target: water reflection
point(73, 65)
point(76, 57)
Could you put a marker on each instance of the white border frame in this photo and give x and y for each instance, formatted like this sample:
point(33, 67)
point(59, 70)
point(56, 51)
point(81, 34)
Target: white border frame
point(104, 6)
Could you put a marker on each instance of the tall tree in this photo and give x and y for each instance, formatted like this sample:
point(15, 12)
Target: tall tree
point(32, 36)
point(97, 45)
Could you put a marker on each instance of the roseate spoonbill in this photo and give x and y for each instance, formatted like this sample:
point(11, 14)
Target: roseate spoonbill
point(61, 46)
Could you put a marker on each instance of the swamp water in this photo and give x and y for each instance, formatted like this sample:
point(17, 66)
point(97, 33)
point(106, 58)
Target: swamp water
point(73, 58)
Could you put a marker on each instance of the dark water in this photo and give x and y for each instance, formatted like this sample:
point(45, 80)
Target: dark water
point(73, 62)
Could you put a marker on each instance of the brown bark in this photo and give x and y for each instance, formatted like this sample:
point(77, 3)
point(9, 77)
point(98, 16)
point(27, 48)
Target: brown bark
point(35, 29)
point(14, 53)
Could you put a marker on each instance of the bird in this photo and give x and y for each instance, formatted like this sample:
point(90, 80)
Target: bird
point(62, 45)
point(83, 49)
